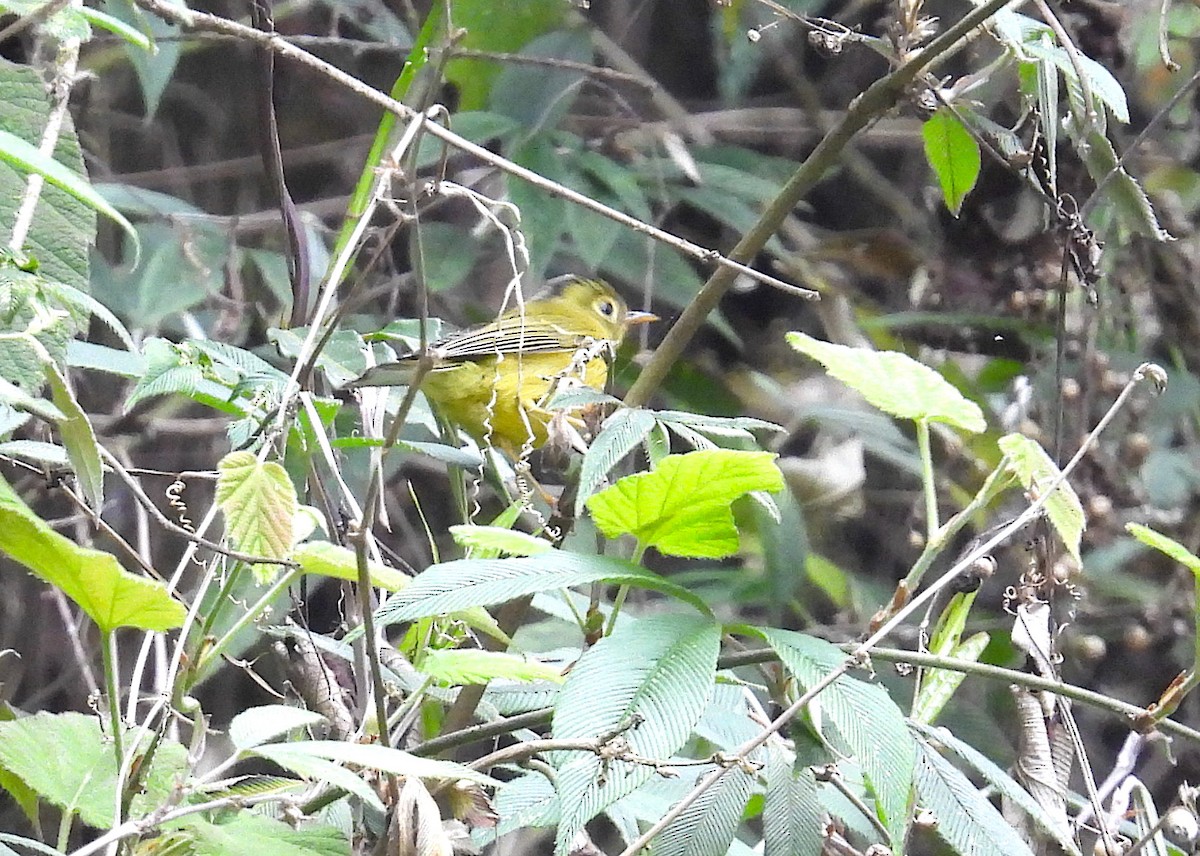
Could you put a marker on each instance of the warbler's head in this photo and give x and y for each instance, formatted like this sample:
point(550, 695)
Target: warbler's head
point(590, 307)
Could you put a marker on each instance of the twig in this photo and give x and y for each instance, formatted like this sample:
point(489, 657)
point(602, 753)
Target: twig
point(190, 19)
point(874, 102)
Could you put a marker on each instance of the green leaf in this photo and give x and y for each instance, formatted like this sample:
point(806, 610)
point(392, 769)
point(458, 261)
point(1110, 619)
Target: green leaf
point(258, 725)
point(32, 316)
point(491, 542)
point(793, 817)
point(652, 677)
point(23, 156)
point(78, 438)
point(865, 721)
point(110, 595)
point(259, 502)
point(954, 155)
point(63, 227)
point(708, 825)
point(682, 507)
point(461, 666)
point(464, 583)
point(894, 382)
point(940, 684)
point(965, 819)
point(1163, 544)
point(67, 760)
point(1128, 199)
point(388, 760)
point(1002, 783)
point(244, 832)
point(496, 28)
point(330, 560)
point(1034, 469)
point(620, 435)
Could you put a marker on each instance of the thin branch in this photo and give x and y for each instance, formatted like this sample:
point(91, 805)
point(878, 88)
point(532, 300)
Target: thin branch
point(193, 20)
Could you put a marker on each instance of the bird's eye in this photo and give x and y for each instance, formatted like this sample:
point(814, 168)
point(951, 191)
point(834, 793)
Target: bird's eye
point(606, 308)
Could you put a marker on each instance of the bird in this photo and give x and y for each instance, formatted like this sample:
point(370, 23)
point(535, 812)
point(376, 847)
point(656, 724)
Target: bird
point(495, 380)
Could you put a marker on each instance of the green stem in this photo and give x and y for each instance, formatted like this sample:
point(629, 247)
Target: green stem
point(928, 481)
point(248, 616)
point(623, 591)
point(109, 658)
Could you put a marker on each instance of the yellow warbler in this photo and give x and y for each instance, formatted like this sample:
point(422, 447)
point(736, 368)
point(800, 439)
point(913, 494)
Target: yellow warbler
point(495, 380)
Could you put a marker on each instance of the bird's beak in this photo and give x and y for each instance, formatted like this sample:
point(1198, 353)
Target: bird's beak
point(634, 316)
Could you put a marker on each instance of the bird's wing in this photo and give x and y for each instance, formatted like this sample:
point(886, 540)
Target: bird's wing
point(508, 335)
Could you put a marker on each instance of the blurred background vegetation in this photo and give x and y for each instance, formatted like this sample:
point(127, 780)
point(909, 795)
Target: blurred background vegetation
point(688, 114)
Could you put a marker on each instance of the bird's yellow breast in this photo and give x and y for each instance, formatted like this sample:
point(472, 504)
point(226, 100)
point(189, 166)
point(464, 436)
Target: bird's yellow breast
point(502, 401)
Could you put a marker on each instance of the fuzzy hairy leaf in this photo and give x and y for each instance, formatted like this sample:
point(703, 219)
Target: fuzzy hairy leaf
point(708, 825)
point(463, 583)
point(793, 816)
point(866, 720)
point(259, 502)
point(894, 382)
point(652, 678)
point(965, 820)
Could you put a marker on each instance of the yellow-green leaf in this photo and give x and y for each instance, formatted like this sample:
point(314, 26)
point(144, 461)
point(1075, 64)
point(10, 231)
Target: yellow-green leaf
point(954, 155)
point(682, 507)
point(78, 438)
point(259, 502)
point(110, 595)
point(894, 382)
point(330, 560)
point(462, 666)
point(1163, 544)
point(1033, 467)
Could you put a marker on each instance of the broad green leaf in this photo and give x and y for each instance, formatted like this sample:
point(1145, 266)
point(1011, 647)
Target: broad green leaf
point(462, 666)
point(330, 560)
point(61, 25)
point(1163, 544)
point(29, 308)
point(388, 760)
point(67, 760)
point(464, 583)
point(965, 819)
point(63, 227)
point(682, 507)
point(954, 155)
point(13, 396)
point(1034, 469)
point(110, 595)
point(35, 450)
point(793, 817)
point(523, 802)
point(78, 438)
point(491, 542)
point(245, 832)
point(656, 672)
point(320, 770)
point(259, 502)
point(1002, 783)
point(894, 382)
point(116, 26)
point(496, 28)
point(258, 725)
point(27, 158)
point(865, 720)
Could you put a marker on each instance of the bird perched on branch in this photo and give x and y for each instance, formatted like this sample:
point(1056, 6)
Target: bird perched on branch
point(495, 380)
